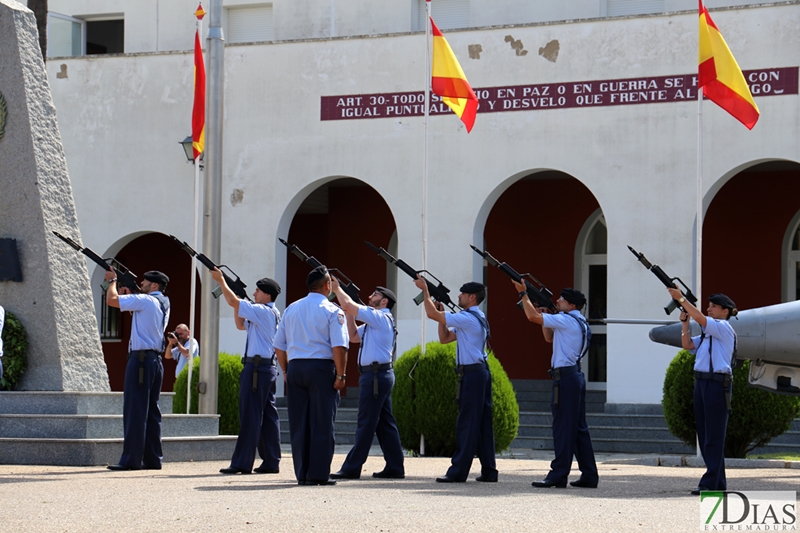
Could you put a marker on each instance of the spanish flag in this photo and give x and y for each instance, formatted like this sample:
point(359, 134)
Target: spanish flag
point(449, 81)
point(199, 107)
point(720, 76)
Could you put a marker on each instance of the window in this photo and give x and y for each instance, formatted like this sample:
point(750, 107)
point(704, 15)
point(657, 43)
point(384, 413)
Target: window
point(618, 8)
point(592, 246)
point(110, 320)
point(249, 24)
point(69, 37)
point(448, 14)
point(792, 263)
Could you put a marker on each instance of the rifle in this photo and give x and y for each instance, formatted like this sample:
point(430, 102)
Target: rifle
point(125, 278)
point(237, 286)
point(541, 295)
point(438, 292)
point(348, 286)
point(667, 281)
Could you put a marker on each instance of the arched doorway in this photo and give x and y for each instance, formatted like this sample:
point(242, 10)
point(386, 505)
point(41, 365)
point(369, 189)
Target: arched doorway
point(538, 225)
point(331, 224)
point(591, 264)
point(148, 251)
point(746, 248)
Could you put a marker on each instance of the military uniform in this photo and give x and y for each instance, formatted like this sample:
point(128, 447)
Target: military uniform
point(259, 426)
point(474, 431)
point(310, 329)
point(143, 377)
point(375, 417)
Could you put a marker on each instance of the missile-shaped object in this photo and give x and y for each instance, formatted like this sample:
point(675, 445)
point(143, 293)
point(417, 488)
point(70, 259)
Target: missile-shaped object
point(768, 336)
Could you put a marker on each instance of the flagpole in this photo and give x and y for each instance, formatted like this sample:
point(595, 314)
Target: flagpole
point(698, 275)
point(425, 155)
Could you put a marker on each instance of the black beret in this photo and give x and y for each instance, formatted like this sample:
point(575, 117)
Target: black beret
point(472, 287)
point(315, 275)
point(156, 277)
point(269, 286)
point(386, 292)
point(723, 301)
point(573, 296)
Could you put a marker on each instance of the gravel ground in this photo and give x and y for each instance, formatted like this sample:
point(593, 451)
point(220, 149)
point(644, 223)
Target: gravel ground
point(634, 495)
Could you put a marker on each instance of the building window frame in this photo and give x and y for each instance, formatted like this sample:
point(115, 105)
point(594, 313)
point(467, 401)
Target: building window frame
point(791, 260)
point(583, 263)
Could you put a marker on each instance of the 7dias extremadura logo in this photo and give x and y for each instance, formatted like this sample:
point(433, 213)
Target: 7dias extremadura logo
point(748, 511)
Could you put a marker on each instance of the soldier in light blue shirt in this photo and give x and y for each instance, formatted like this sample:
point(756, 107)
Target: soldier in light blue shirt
point(141, 415)
point(570, 334)
point(311, 345)
point(259, 426)
point(715, 349)
point(377, 337)
point(474, 430)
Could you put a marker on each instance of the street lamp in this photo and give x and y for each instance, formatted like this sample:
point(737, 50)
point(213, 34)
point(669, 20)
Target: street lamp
point(189, 151)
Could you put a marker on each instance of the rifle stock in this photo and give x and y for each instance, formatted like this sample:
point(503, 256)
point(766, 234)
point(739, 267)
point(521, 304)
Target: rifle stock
point(667, 281)
point(541, 295)
point(350, 288)
point(438, 291)
point(236, 285)
point(125, 278)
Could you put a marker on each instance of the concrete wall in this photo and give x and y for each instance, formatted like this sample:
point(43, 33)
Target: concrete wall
point(121, 119)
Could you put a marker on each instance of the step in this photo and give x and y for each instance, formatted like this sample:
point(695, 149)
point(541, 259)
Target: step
point(99, 426)
point(92, 452)
point(69, 403)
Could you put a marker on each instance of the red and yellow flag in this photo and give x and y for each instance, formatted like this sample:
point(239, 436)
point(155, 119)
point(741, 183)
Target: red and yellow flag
point(199, 107)
point(449, 81)
point(720, 76)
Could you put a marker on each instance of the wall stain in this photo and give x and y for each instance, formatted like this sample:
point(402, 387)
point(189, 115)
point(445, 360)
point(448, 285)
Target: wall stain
point(237, 196)
point(62, 75)
point(550, 51)
point(475, 51)
point(516, 45)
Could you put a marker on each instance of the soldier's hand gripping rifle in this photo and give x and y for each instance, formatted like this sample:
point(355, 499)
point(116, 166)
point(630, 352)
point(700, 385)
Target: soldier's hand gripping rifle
point(347, 285)
point(125, 278)
point(667, 281)
point(236, 285)
point(540, 296)
point(438, 292)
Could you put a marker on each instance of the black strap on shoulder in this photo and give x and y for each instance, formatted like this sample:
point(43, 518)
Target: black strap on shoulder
point(587, 335)
point(484, 324)
point(163, 303)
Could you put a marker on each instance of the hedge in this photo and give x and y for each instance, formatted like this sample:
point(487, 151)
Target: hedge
point(230, 367)
point(15, 344)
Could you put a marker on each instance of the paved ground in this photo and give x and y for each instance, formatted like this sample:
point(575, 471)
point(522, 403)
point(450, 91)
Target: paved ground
point(634, 495)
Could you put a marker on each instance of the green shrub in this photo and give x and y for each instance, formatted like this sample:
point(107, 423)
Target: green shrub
point(425, 404)
point(230, 367)
point(758, 416)
point(15, 343)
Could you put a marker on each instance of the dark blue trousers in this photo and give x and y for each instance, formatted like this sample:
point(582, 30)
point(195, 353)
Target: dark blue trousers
point(375, 418)
point(259, 427)
point(141, 415)
point(474, 430)
point(312, 404)
point(711, 417)
point(570, 431)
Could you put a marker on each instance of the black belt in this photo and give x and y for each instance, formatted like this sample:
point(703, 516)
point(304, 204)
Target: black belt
point(723, 378)
point(375, 368)
point(256, 360)
point(557, 374)
point(142, 355)
point(467, 369)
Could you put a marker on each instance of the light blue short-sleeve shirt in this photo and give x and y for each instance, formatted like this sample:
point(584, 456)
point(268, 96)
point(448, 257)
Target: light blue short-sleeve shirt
point(470, 336)
point(722, 347)
point(261, 323)
point(377, 335)
point(310, 328)
point(568, 337)
point(191, 345)
point(149, 324)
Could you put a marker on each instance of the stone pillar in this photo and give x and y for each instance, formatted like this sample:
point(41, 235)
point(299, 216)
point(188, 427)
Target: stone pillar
point(54, 300)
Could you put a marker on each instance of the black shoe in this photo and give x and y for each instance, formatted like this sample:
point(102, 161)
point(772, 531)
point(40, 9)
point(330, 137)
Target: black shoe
point(233, 470)
point(341, 474)
point(584, 484)
point(448, 479)
point(121, 467)
point(383, 474)
point(317, 482)
point(486, 479)
point(695, 492)
point(264, 470)
point(547, 483)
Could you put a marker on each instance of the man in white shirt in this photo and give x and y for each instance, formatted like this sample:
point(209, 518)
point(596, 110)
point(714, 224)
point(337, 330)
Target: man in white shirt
point(182, 347)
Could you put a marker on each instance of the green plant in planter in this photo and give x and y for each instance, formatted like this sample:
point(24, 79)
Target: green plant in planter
point(230, 367)
point(15, 344)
